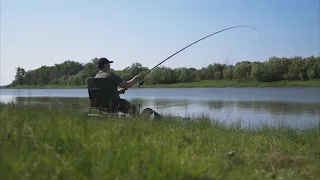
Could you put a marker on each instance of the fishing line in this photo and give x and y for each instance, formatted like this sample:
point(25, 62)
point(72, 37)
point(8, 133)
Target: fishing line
point(245, 26)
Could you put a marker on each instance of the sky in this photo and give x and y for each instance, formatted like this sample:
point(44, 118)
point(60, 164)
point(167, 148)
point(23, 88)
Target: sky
point(38, 33)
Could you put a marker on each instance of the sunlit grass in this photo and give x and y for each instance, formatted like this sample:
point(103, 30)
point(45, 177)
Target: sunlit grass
point(54, 143)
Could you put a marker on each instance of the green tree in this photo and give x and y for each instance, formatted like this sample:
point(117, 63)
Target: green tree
point(228, 72)
point(19, 77)
point(297, 69)
point(242, 70)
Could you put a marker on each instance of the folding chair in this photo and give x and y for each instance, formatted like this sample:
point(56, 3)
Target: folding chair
point(104, 96)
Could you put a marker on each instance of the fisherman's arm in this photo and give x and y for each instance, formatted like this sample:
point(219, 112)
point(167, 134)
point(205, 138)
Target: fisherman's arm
point(130, 83)
point(125, 84)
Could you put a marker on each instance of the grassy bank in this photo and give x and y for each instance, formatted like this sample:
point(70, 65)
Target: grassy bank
point(45, 143)
point(205, 83)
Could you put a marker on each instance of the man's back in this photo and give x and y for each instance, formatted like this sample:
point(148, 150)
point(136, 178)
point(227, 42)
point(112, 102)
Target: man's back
point(117, 80)
point(102, 75)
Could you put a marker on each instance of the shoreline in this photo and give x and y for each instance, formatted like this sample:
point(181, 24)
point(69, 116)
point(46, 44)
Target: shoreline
point(198, 84)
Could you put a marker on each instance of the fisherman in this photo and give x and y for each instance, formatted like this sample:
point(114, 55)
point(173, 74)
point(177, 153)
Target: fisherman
point(124, 105)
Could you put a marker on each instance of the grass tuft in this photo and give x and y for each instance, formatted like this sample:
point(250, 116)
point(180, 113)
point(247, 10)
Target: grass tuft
point(38, 142)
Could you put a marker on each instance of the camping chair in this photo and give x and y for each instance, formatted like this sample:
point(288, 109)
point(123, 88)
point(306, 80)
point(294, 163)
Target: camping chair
point(103, 95)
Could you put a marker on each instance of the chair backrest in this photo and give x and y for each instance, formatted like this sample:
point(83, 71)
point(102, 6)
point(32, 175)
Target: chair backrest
point(103, 93)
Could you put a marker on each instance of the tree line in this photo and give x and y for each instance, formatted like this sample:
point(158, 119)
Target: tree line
point(72, 73)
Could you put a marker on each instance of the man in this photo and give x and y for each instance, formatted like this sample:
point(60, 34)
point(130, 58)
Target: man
point(104, 67)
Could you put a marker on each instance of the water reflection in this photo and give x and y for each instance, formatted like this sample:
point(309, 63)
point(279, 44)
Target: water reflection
point(251, 106)
point(274, 108)
point(7, 99)
point(251, 114)
point(305, 95)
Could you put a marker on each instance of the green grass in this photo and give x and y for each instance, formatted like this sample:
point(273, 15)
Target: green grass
point(38, 142)
point(206, 83)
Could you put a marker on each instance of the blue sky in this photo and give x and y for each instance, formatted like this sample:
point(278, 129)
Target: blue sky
point(36, 33)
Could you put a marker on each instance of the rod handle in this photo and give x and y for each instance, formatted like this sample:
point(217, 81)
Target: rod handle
point(140, 83)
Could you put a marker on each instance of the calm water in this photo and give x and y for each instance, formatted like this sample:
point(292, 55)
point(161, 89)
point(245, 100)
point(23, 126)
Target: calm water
point(299, 107)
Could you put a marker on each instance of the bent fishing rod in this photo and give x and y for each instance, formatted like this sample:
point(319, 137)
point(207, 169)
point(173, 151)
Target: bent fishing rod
point(141, 83)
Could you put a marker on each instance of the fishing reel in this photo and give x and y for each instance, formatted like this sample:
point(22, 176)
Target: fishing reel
point(122, 90)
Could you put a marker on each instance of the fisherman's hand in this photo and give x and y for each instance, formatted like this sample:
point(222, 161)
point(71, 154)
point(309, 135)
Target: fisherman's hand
point(122, 90)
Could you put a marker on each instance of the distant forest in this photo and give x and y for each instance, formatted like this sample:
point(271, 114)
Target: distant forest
point(72, 73)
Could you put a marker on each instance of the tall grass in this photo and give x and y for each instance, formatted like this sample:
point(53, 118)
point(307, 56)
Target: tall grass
point(50, 143)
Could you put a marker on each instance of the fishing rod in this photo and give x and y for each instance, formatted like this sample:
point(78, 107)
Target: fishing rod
point(141, 83)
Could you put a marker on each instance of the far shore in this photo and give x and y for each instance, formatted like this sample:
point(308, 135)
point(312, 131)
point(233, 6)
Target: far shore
point(197, 84)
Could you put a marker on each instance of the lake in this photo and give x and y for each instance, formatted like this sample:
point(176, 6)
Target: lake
point(298, 107)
